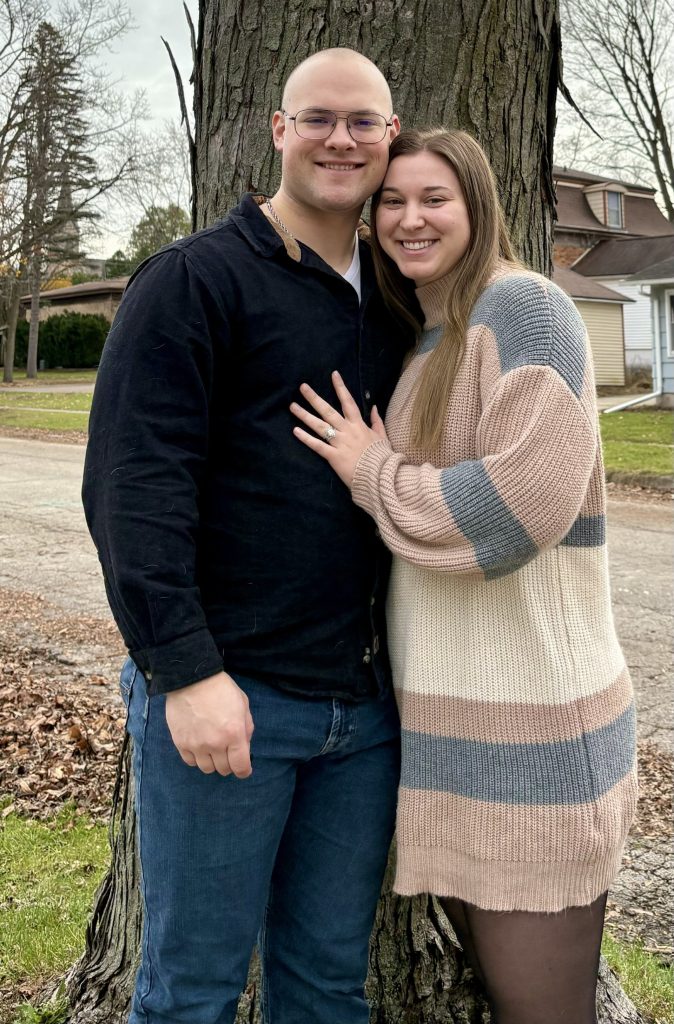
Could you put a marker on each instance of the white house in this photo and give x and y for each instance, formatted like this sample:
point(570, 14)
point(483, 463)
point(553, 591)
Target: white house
point(609, 230)
point(619, 263)
point(658, 281)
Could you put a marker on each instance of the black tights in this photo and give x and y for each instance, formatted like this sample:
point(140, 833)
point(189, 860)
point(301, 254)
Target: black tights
point(535, 968)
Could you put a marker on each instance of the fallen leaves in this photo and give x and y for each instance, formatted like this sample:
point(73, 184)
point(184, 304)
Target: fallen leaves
point(654, 811)
point(60, 727)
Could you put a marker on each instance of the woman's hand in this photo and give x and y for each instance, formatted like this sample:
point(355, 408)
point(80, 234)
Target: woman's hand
point(341, 439)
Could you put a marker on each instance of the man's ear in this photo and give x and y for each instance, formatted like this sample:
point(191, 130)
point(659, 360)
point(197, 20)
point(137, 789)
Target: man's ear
point(278, 130)
point(395, 127)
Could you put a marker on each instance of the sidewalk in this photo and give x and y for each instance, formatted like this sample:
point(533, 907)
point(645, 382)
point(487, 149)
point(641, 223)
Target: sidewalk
point(47, 389)
point(608, 401)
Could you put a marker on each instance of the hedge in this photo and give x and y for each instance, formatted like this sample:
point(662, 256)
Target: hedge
point(66, 339)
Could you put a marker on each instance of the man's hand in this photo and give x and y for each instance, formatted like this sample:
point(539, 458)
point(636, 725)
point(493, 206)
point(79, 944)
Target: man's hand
point(211, 725)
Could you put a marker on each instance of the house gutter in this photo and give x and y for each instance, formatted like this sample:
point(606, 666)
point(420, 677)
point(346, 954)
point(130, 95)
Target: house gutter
point(657, 391)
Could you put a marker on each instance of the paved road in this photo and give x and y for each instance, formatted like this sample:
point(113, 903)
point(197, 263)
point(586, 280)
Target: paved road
point(46, 550)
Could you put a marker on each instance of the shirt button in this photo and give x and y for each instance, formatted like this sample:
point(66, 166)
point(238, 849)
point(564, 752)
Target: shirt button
point(367, 657)
point(148, 676)
point(368, 395)
point(371, 601)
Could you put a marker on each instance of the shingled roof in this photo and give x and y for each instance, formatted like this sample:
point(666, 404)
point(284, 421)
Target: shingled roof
point(662, 271)
point(623, 257)
point(568, 174)
point(642, 216)
point(579, 287)
point(102, 286)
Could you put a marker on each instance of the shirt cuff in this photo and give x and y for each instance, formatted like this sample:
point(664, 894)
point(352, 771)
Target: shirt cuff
point(179, 663)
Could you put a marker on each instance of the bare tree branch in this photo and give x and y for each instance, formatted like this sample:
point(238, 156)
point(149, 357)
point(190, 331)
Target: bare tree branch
point(624, 54)
point(184, 115)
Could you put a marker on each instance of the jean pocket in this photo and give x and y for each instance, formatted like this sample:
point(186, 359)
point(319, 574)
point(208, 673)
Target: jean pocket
point(126, 678)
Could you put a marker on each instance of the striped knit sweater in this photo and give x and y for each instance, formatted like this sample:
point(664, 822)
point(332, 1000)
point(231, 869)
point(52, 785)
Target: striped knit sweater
point(518, 783)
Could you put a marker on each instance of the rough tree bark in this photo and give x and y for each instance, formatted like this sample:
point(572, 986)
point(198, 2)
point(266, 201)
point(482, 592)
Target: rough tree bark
point(490, 68)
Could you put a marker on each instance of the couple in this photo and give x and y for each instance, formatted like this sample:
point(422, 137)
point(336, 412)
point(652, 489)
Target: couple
point(239, 484)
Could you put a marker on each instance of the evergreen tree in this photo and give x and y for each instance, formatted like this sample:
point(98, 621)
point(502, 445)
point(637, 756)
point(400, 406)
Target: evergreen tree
point(54, 156)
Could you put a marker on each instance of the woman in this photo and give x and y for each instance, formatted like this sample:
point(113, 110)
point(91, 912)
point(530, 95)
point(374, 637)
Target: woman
point(518, 783)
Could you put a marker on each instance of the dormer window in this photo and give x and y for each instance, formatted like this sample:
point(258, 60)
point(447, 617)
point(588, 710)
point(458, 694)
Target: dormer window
point(614, 211)
point(605, 199)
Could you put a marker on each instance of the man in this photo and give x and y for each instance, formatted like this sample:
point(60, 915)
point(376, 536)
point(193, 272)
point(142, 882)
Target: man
point(247, 585)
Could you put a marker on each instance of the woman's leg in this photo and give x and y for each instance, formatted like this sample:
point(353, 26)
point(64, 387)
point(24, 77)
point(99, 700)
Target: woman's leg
point(536, 968)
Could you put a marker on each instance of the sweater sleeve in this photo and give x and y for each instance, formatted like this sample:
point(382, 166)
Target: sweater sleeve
point(145, 463)
point(536, 442)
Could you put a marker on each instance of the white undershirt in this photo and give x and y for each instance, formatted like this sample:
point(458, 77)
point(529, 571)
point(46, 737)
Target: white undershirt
point(352, 275)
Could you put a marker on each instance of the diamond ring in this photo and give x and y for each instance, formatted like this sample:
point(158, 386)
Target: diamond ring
point(329, 433)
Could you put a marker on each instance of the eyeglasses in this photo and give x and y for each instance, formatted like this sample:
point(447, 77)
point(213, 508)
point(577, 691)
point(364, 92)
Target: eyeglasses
point(314, 123)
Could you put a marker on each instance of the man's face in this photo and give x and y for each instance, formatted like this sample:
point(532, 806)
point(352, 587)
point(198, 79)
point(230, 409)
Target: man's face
point(336, 174)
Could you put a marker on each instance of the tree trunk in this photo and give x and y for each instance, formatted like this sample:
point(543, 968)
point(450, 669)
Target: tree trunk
point(100, 985)
point(34, 331)
point(490, 68)
point(10, 343)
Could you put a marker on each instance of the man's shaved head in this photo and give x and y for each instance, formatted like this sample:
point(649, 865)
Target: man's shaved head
point(343, 60)
point(334, 173)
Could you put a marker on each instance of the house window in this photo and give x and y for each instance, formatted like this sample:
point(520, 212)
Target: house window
point(614, 209)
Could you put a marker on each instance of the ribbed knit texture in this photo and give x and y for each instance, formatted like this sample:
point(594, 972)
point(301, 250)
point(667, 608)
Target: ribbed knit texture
point(519, 780)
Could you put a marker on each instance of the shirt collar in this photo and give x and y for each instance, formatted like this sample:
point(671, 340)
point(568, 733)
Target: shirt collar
point(258, 230)
point(264, 236)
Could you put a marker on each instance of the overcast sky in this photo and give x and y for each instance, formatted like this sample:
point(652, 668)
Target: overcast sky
point(141, 61)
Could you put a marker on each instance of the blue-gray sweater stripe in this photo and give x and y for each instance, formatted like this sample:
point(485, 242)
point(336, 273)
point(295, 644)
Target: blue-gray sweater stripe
point(572, 771)
point(429, 339)
point(587, 532)
point(529, 333)
point(501, 543)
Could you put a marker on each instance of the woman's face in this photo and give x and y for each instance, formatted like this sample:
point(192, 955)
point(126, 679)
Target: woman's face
point(422, 220)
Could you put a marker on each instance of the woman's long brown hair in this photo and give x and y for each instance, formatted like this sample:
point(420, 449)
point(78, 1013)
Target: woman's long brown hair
point(489, 244)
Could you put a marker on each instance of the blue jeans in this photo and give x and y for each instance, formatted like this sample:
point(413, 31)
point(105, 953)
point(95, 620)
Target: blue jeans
point(292, 857)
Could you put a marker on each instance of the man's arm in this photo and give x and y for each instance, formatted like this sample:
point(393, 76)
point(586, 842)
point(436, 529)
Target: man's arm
point(146, 463)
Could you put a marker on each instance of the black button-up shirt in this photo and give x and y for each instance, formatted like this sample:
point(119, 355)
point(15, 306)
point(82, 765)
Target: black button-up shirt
point(225, 542)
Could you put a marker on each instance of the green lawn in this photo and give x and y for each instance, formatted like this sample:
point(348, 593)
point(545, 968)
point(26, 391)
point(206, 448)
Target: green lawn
point(643, 426)
point(57, 411)
point(648, 982)
point(48, 874)
point(38, 399)
point(638, 441)
point(44, 420)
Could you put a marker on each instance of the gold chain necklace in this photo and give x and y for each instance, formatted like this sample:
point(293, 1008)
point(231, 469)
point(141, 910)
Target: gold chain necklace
point(278, 220)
